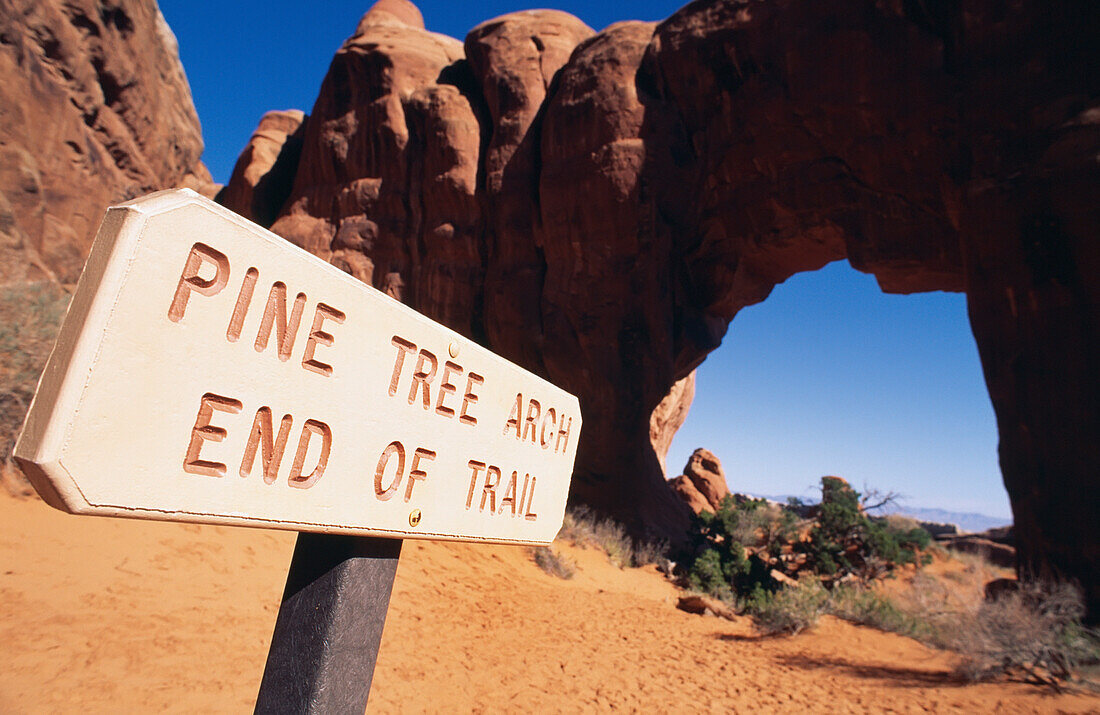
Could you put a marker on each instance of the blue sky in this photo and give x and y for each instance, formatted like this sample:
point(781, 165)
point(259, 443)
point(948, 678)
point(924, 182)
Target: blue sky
point(827, 376)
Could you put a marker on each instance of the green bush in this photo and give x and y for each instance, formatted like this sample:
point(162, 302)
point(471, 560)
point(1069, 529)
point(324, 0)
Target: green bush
point(717, 564)
point(734, 549)
point(846, 541)
point(789, 610)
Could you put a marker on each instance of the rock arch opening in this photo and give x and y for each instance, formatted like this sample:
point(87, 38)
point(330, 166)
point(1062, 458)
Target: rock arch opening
point(829, 375)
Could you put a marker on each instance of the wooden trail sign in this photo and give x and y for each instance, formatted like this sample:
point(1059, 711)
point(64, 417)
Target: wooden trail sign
point(210, 371)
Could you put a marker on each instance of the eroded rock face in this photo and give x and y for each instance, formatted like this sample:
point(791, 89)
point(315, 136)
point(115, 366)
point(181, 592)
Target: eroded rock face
point(265, 170)
point(599, 207)
point(703, 483)
point(94, 109)
point(669, 416)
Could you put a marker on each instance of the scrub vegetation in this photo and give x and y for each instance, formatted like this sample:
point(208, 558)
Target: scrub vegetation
point(583, 527)
point(786, 571)
point(30, 314)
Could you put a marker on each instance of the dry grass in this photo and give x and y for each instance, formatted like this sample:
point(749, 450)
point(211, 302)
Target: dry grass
point(554, 563)
point(30, 314)
point(583, 527)
point(1034, 633)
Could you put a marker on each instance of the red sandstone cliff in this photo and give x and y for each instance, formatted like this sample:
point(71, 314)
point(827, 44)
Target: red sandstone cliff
point(94, 109)
point(598, 207)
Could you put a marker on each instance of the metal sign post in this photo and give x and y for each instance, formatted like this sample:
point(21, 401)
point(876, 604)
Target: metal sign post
point(330, 624)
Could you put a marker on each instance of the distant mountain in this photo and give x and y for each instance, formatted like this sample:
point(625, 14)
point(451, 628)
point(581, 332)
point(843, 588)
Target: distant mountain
point(966, 521)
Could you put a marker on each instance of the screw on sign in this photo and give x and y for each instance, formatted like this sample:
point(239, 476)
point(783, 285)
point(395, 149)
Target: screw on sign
point(209, 371)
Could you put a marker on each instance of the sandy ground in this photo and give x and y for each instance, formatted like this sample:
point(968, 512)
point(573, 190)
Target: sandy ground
point(104, 615)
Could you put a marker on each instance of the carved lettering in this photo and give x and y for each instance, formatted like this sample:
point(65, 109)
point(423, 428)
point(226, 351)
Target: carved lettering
point(523, 494)
point(470, 398)
point(404, 347)
point(515, 501)
point(446, 388)
point(489, 491)
point(271, 449)
point(549, 419)
point(392, 448)
point(317, 336)
point(422, 378)
point(533, 411)
point(415, 472)
point(515, 416)
point(528, 514)
point(244, 299)
point(309, 429)
point(563, 434)
point(275, 317)
point(476, 466)
point(510, 494)
point(203, 431)
point(190, 280)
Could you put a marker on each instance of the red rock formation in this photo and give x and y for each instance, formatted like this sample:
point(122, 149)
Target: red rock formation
point(514, 59)
point(997, 554)
point(669, 416)
point(265, 170)
point(94, 109)
point(684, 488)
point(703, 483)
point(386, 187)
point(642, 187)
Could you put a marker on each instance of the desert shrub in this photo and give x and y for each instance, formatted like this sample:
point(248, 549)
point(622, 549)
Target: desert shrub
point(577, 525)
point(735, 549)
point(1035, 632)
point(846, 541)
point(583, 527)
point(649, 552)
point(788, 610)
point(717, 563)
point(613, 539)
point(30, 314)
point(865, 606)
point(553, 563)
point(715, 570)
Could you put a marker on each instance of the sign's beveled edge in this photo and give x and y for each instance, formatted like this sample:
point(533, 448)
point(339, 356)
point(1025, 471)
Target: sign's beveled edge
point(194, 517)
point(40, 446)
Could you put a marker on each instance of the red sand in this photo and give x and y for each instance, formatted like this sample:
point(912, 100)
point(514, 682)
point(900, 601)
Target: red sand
point(104, 615)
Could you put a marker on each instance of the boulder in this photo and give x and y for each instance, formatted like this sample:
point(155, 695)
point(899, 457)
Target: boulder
point(703, 483)
point(939, 528)
point(686, 490)
point(705, 472)
point(705, 606)
point(1000, 588)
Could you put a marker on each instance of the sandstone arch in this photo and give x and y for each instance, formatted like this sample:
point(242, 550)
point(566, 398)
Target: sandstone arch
point(601, 216)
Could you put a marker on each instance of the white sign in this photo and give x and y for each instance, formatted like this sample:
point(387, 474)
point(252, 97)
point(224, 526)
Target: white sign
point(210, 371)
